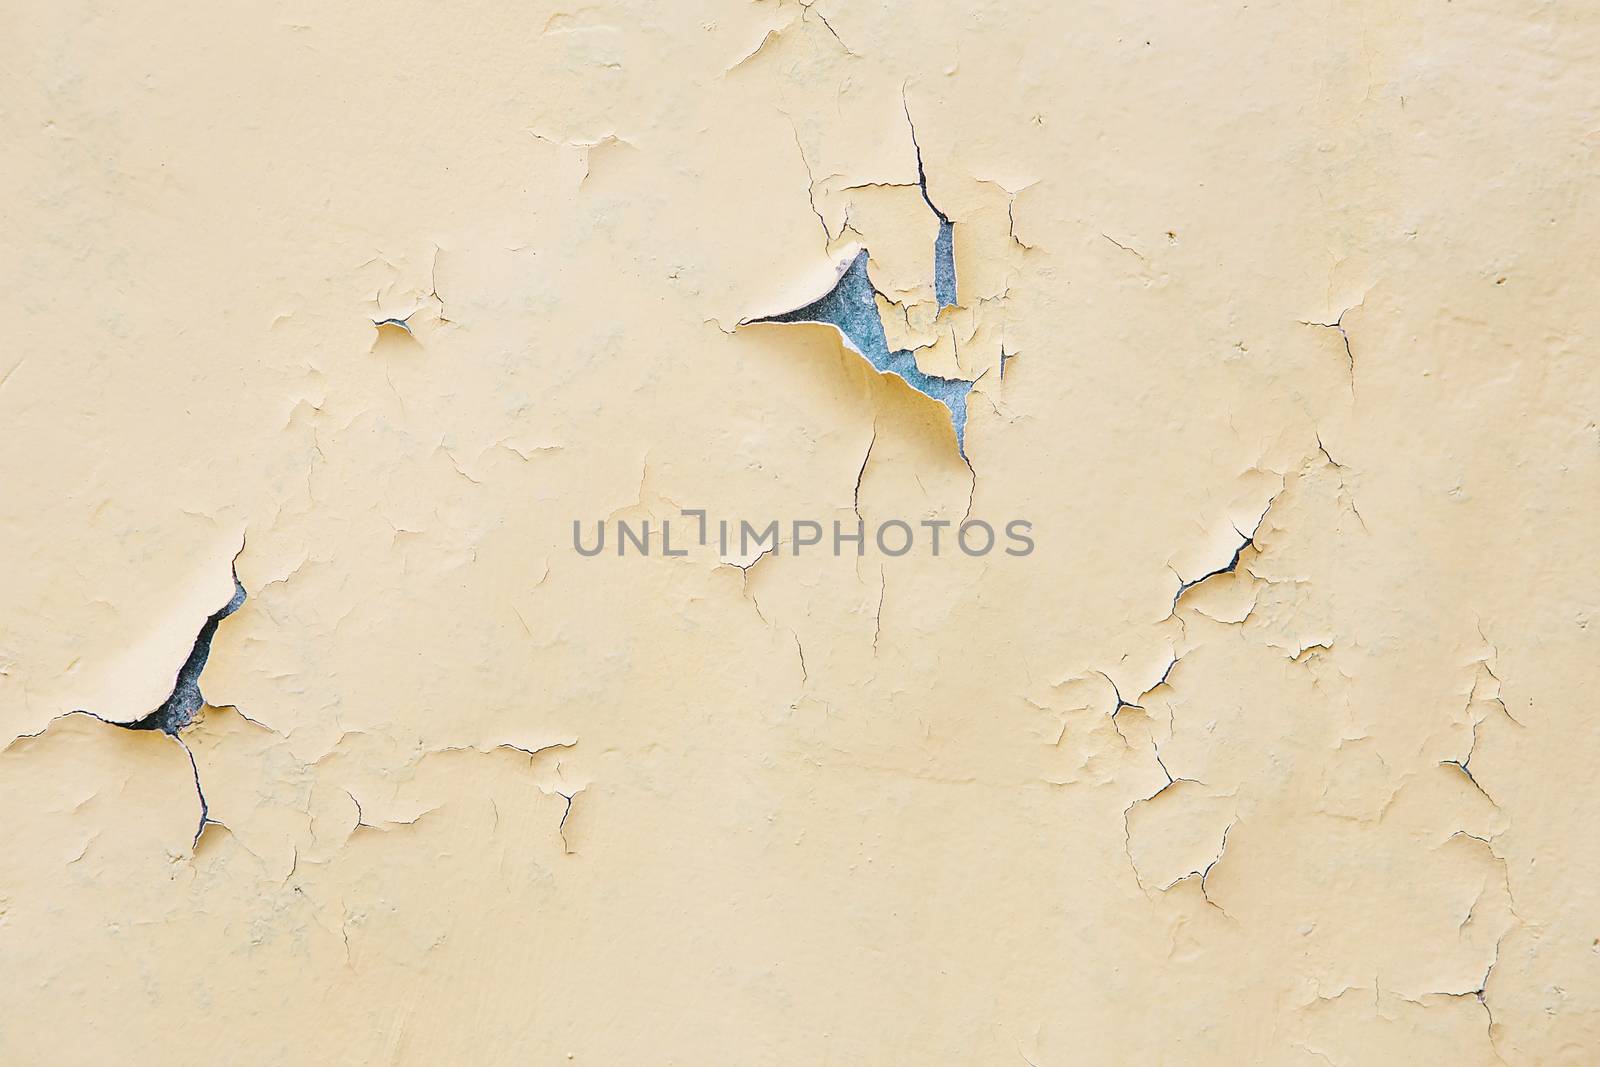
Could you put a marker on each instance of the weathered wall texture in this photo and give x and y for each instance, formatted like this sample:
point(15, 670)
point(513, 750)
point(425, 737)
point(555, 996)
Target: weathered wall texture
point(1278, 323)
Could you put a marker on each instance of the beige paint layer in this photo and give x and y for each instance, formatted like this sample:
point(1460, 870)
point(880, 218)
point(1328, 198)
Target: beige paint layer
point(1277, 748)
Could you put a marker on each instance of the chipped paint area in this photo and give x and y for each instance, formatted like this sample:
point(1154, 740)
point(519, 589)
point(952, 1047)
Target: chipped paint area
point(1270, 321)
point(851, 308)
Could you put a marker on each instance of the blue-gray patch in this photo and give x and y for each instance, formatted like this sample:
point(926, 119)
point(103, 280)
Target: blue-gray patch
point(850, 307)
point(944, 264)
point(179, 709)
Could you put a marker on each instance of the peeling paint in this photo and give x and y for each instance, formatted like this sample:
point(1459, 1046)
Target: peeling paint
point(1275, 746)
point(851, 309)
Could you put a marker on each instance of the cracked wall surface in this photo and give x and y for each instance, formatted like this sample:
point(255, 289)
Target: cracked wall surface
point(331, 328)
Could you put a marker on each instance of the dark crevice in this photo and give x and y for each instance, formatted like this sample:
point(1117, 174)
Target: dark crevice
point(862, 473)
point(179, 709)
point(1248, 542)
point(944, 256)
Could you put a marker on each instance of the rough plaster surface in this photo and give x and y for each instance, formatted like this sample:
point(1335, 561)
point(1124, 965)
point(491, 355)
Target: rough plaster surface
point(1277, 749)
